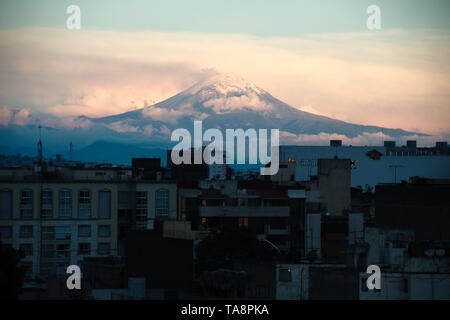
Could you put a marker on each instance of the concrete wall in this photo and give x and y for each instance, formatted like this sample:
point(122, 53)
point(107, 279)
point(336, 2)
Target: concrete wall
point(317, 281)
point(334, 185)
point(408, 286)
point(297, 288)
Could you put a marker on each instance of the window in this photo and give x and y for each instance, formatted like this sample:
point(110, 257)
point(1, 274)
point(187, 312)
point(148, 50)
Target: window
point(65, 204)
point(124, 199)
point(84, 248)
point(5, 232)
point(26, 249)
point(285, 275)
point(48, 250)
point(84, 204)
point(56, 233)
point(84, 230)
point(104, 248)
point(63, 250)
point(104, 204)
point(48, 233)
point(47, 197)
point(243, 222)
point(162, 203)
point(26, 213)
point(124, 204)
point(6, 204)
point(26, 197)
point(26, 204)
point(46, 214)
point(63, 233)
point(26, 232)
point(46, 204)
point(141, 209)
point(104, 231)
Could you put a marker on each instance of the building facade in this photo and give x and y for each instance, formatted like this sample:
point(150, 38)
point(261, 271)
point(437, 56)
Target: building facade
point(58, 219)
point(373, 164)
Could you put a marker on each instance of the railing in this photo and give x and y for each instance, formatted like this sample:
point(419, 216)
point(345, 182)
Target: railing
point(228, 211)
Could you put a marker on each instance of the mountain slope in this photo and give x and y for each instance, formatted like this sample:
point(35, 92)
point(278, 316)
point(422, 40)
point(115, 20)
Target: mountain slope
point(224, 102)
point(221, 101)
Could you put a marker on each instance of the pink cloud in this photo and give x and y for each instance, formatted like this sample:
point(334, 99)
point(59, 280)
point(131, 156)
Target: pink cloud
point(5, 116)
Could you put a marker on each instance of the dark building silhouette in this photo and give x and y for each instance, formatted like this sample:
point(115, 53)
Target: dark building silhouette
point(423, 205)
point(165, 263)
point(186, 172)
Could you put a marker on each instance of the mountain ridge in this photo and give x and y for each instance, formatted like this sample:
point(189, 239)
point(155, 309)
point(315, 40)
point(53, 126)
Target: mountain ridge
point(220, 101)
point(221, 96)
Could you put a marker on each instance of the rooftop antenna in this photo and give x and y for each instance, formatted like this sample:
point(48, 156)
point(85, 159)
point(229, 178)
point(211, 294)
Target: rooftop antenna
point(395, 166)
point(40, 145)
point(71, 149)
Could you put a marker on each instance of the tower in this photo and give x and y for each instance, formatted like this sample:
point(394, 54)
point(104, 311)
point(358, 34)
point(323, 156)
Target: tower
point(39, 146)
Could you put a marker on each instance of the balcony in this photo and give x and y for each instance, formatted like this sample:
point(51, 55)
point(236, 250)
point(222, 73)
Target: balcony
point(244, 211)
point(277, 231)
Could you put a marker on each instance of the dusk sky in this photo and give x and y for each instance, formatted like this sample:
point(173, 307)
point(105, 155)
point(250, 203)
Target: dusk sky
point(318, 57)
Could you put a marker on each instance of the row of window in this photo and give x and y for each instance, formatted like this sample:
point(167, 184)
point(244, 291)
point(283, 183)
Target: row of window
point(65, 204)
point(62, 250)
point(84, 204)
point(55, 233)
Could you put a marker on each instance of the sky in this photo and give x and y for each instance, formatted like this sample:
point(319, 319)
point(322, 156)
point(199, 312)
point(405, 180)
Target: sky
point(318, 56)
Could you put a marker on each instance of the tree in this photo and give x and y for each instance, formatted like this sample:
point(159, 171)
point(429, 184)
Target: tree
point(12, 275)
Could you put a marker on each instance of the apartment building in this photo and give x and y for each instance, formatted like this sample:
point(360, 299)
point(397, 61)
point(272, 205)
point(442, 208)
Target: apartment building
point(58, 216)
point(372, 165)
point(273, 214)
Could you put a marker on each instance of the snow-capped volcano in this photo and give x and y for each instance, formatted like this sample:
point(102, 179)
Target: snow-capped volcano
point(220, 101)
point(224, 101)
point(224, 84)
